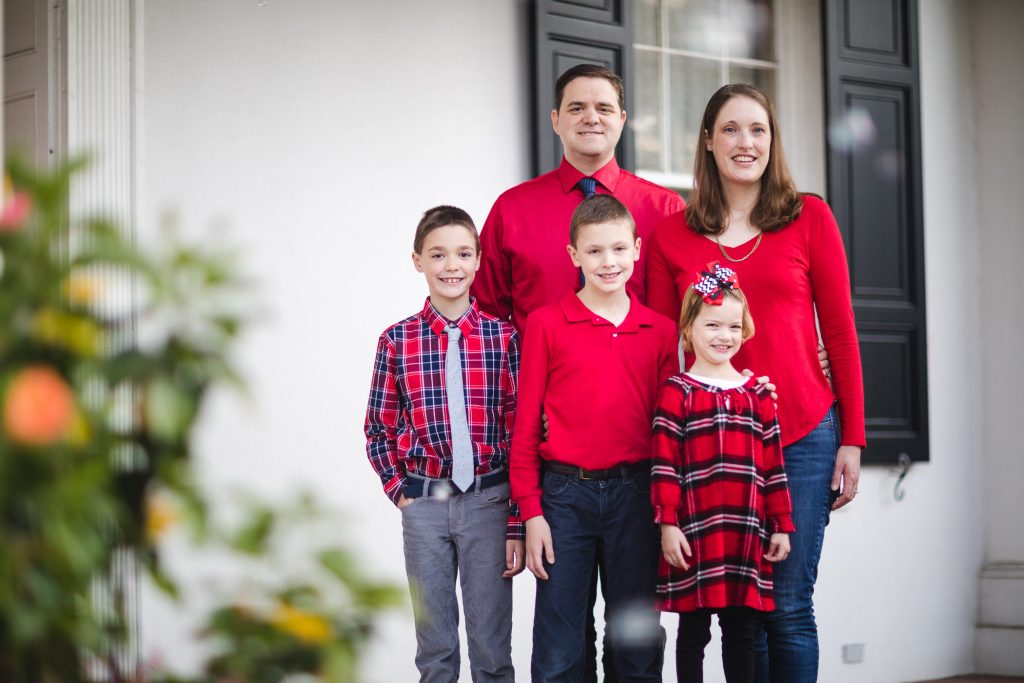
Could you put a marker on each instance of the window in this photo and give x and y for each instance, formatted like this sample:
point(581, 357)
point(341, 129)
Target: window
point(684, 50)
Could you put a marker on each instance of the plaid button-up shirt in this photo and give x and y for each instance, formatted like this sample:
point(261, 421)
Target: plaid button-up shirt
point(407, 425)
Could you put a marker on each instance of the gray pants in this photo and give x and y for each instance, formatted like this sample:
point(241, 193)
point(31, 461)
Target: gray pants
point(465, 535)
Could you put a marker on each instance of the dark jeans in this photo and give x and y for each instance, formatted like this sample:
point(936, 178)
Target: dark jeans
point(611, 520)
point(739, 626)
point(787, 650)
point(590, 661)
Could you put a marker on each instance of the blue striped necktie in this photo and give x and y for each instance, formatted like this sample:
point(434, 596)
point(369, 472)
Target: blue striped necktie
point(589, 188)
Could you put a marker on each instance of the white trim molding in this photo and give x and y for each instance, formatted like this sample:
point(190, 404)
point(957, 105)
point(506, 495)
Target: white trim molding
point(999, 648)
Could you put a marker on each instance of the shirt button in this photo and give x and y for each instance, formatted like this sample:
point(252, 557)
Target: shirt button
point(615, 334)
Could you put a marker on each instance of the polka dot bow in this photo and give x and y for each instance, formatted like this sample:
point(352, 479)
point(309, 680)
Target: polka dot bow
point(712, 280)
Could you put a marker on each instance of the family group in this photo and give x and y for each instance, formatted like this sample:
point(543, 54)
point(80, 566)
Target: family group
point(534, 412)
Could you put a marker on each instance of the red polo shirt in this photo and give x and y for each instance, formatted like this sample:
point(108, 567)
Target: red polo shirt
point(524, 264)
point(598, 385)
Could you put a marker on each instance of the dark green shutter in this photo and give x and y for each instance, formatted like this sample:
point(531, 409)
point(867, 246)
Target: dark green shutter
point(874, 187)
point(571, 33)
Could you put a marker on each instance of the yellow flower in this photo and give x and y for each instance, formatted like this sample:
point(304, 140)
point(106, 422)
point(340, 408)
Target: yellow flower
point(161, 515)
point(80, 288)
point(308, 627)
point(74, 332)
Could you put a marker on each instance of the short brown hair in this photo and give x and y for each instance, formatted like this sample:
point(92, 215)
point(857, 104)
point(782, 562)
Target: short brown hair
point(589, 71)
point(438, 217)
point(600, 208)
point(693, 303)
point(778, 203)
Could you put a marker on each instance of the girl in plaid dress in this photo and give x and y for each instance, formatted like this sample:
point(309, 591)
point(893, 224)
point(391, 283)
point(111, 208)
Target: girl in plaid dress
point(718, 485)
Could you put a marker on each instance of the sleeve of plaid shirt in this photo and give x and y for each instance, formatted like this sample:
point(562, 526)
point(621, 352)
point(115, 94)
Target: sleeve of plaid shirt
point(383, 413)
point(778, 507)
point(666, 456)
point(516, 528)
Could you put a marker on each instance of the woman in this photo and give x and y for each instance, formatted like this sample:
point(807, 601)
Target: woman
point(788, 253)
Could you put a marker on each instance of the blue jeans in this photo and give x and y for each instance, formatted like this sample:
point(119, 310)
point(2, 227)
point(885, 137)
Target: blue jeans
point(610, 519)
point(787, 650)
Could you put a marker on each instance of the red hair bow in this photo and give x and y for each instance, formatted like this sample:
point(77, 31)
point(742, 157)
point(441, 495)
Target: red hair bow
point(712, 280)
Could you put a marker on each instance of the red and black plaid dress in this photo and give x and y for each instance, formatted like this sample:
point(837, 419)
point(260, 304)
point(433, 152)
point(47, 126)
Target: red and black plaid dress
point(717, 472)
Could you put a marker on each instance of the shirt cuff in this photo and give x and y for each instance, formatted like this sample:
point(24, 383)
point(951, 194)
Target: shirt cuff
point(781, 524)
point(393, 489)
point(516, 530)
point(530, 507)
point(664, 515)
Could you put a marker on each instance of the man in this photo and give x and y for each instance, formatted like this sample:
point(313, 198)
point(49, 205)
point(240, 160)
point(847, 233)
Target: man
point(524, 262)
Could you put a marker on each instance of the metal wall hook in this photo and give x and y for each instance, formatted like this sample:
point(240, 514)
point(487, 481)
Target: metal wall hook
point(904, 463)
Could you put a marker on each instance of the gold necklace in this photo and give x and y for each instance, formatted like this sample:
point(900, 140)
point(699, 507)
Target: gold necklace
point(749, 254)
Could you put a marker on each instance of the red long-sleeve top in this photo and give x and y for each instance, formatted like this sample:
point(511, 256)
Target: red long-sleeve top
point(795, 271)
point(597, 384)
point(717, 473)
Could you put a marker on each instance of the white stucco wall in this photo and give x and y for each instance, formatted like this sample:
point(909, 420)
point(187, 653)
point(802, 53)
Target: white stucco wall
point(314, 133)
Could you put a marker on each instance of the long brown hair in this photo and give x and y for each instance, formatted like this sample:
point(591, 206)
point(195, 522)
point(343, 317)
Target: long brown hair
point(778, 203)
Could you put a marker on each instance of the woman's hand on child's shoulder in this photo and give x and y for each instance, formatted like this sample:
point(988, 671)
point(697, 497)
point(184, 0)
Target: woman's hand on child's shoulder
point(674, 546)
point(765, 380)
point(778, 548)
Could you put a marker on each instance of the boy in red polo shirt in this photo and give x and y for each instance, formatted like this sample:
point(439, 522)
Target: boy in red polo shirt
point(592, 363)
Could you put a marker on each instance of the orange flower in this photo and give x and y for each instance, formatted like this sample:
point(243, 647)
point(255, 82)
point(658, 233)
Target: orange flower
point(39, 407)
point(306, 626)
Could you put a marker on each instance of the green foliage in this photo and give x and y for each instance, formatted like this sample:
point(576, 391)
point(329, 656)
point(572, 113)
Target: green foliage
point(96, 454)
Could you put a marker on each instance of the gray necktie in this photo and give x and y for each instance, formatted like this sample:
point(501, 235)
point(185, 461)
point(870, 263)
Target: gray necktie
point(462, 448)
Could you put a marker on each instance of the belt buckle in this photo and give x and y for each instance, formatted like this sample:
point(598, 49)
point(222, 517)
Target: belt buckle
point(584, 477)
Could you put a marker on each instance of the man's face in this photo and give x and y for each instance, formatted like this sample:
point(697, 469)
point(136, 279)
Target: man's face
point(589, 121)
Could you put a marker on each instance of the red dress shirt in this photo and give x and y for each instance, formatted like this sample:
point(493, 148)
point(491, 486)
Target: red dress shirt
point(795, 271)
point(717, 473)
point(524, 264)
point(597, 384)
point(407, 425)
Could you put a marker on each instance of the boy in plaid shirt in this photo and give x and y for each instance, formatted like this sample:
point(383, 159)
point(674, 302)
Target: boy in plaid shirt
point(438, 432)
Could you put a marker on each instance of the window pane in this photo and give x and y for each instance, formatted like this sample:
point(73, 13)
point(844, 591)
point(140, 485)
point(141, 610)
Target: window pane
point(647, 22)
point(749, 29)
point(646, 121)
point(692, 82)
point(762, 78)
point(695, 25)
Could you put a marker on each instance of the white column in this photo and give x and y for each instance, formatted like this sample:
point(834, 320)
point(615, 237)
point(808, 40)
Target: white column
point(102, 122)
point(997, 54)
point(101, 106)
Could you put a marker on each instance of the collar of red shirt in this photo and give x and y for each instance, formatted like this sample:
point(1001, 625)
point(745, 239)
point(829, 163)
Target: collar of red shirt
point(638, 316)
point(607, 176)
point(438, 323)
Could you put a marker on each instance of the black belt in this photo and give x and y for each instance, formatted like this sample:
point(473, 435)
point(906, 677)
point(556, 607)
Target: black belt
point(423, 487)
point(624, 471)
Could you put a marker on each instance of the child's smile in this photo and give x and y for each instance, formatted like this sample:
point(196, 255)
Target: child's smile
point(606, 253)
point(449, 260)
point(717, 332)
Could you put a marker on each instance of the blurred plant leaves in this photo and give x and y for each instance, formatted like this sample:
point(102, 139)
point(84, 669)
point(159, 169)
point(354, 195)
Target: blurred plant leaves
point(134, 340)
